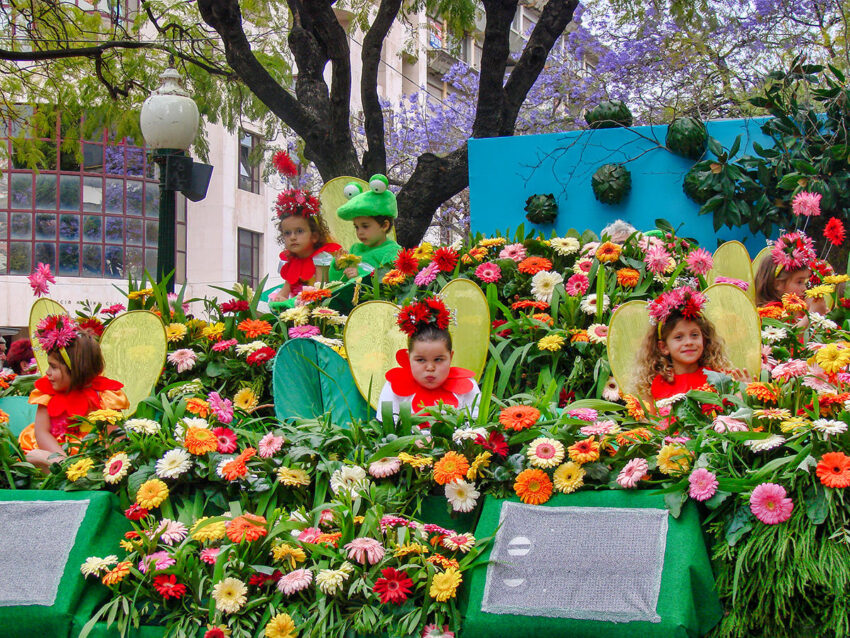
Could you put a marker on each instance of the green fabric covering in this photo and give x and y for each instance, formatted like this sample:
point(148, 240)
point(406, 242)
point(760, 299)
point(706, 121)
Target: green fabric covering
point(77, 598)
point(310, 379)
point(688, 604)
point(20, 412)
point(377, 257)
point(100, 630)
point(277, 306)
point(435, 509)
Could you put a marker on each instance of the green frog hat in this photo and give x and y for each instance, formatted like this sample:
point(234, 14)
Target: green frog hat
point(378, 200)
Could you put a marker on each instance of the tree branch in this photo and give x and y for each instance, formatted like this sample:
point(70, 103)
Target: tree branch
point(375, 157)
point(494, 57)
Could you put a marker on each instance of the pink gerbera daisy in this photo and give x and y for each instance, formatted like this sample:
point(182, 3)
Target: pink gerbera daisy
point(488, 272)
point(226, 440)
point(790, 370)
point(303, 332)
point(699, 261)
point(171, 531)
point(657, 259)
point(156, 561)
point(632, 473)
point(516, 252)
point(269, 445)
point(295, 581)
point(599, 428)
point(770, 504)
point(309, 534)
point(585, 414)
point(703, 484)
point(385, 467)
point(221, 408)
point(436, 631)
point(221, 346)
point(427, 275)
point(39, 279)
point(184, 359)
point(365, 549)
point(577, 285)
point(209, 555)
point(806, 204)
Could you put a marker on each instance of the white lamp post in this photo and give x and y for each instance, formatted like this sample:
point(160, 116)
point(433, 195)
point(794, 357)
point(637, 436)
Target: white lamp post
point(169, 122)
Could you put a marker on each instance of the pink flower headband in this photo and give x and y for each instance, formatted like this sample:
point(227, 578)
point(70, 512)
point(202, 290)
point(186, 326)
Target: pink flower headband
point(55, 333)
point(792, 251)
point(686, 301)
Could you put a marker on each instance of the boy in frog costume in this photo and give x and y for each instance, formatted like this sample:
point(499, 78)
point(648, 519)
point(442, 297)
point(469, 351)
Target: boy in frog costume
point(372, 212)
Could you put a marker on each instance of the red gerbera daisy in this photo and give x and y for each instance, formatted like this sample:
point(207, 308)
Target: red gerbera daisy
point(834, 231)
point(168, 587)
point(495, 442)
point(235, 305)
point(226, 440)
point(406, 262)
point(259, 357)
point(135, 512)
point(284, 164)
point(92, 325)
point(393, 587)
point(446, 259)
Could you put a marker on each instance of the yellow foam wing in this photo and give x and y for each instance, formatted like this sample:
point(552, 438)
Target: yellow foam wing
point(372, 336)
point(134, 349)
point(737, 322)
point(471, 334)
point(332, 197)
point(731, 259)
point(371, 339)
point(626, 332)
point(764, 253)
point(41, 309)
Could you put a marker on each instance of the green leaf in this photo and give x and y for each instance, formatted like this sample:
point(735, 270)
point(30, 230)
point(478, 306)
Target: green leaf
point(739, 525)
point(674, 502)
point(817, 504)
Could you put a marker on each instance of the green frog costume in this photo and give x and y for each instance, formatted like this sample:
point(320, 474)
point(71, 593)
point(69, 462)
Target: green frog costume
point(377, 201)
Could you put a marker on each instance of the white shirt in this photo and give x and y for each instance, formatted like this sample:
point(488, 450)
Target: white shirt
point(465, 400)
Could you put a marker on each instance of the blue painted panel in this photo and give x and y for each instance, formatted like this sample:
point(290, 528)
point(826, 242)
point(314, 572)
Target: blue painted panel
point(505, 171)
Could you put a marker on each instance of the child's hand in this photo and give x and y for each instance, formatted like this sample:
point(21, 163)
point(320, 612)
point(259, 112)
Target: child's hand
point(351, 272)
point(741, 375)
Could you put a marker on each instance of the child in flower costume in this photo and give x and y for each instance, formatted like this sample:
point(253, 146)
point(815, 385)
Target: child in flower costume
point(680, 346)
point(425, 375)
point(372, 212)
point(72, 386)
point(788, 269)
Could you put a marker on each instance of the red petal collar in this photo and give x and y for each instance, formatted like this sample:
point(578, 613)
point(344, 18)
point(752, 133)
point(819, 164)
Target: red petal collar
point(76, 402)
point(403, 384)
point(302, 269)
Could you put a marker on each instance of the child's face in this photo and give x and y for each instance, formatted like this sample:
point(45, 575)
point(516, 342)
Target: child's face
point(430, 362)
point(369, 231)
point(796, 282)
point(58, 374)
point(684, 345)
point(297, 236)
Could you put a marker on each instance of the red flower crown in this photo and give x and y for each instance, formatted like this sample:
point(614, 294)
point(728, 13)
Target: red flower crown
point(55, 333)
point(418, 314)
point(296, 202)
point(687, 301)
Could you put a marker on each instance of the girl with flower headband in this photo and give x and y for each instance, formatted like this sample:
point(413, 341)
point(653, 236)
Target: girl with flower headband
point(72, 386)
point(303, 234)
point(788, 270)
point(425, 375)
point(680, 345)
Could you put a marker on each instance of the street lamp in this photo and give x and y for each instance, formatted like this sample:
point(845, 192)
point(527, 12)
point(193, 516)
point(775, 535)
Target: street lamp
point(169, 121)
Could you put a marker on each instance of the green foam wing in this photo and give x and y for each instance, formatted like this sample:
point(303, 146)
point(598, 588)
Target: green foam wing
point(737, 322)
point(134, 349)
point(41, 309)
point(731, 259)
point(310, 379)
point(626, 332)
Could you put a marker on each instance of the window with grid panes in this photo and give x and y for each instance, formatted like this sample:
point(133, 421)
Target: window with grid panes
point(248, 257)
point(249, 172)
point(90, 213)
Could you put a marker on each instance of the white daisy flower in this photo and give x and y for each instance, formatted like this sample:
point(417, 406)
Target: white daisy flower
point(588, 304)
point(462, 495)
point(564, 246)
point(763, 445)
point(829, 427)
point(543, 285)
point(772, 334)
point(142, 426)
point(173, 463)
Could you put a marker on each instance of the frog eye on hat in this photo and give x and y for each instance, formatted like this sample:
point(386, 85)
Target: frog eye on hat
point(379, 183)
point(352, 189)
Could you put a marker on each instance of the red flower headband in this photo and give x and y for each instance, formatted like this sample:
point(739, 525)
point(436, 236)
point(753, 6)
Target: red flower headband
point(417, 315)
point(297, 202)
point(55, 333)
point(792, 251)
point(687, 301)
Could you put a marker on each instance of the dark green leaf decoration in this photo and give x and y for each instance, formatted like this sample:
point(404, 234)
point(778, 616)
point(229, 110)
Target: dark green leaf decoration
point(541, 209)
point(688, 137)
point(609, 114)
point(611, 183)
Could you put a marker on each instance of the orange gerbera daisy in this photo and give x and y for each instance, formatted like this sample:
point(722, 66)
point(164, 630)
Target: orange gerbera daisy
point(764, 392)
point(528, 303)
point(200, 441)
point(633, 407)
point(443, 561)
point(247, 527)
point(476, 254)
point(628, 277)
point(117, 573)
point(236, 468)
point(579, 336)
point(451, 467)
point(198, 406)
point(609, 251)
point(519, 417)
point(533, 486)
point(585, 451)
point(328, 539)
point(544, 317)
point(833, 469)
point(632, 437)
point(311, 296)
point(792, 302)
point(533, 265)
point(254, 328)
point(394, 277)
point(772, 311)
